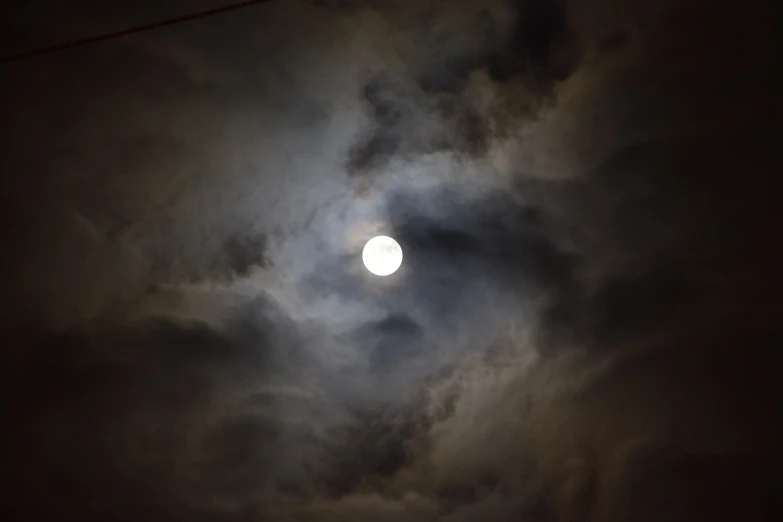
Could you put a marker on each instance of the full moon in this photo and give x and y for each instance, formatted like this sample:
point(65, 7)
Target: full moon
point(382, 255)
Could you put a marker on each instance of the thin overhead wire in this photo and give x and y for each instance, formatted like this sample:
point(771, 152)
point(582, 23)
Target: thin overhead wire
point(15, 57)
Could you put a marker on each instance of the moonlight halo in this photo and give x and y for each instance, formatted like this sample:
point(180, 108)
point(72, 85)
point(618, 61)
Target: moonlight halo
point(382, 255)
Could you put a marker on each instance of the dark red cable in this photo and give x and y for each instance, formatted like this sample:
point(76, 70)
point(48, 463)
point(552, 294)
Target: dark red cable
point(138, 29)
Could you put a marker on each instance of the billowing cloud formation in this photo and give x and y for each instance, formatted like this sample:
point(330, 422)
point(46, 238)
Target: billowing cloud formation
point(585, 326)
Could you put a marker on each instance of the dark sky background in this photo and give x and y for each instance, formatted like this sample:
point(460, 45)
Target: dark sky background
point(586, 327)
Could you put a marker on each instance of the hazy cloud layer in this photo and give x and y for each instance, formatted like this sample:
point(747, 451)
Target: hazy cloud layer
point(585, 326)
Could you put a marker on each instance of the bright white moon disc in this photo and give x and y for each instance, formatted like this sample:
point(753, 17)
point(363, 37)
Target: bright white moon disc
point(382, 255)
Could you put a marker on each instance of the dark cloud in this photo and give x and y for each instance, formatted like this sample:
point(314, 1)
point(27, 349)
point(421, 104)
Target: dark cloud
point(542, 47)
point(432, 110)
point(585, 326)
point(399, 131)
point(244, 252)
point(160, 413)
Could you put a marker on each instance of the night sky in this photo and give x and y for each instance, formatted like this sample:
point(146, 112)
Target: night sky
point(587, 325)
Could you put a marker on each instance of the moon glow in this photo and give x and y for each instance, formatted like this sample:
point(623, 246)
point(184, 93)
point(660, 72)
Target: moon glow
point(382, 255)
